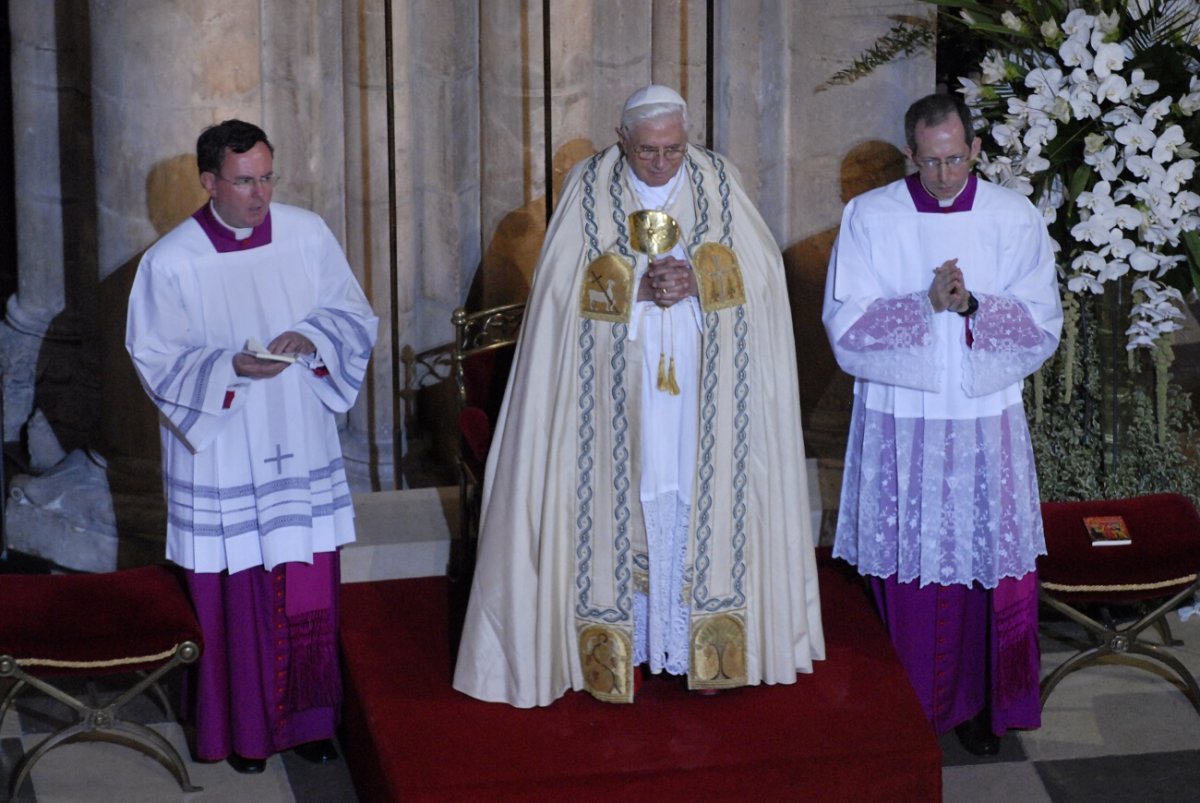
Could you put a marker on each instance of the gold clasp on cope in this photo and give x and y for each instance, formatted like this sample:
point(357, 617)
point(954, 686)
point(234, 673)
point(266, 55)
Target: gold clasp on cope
point(607, 292)
point(718, 276)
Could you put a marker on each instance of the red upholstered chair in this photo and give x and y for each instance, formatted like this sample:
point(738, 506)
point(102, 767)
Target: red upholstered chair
point(1152, 574)
point(484, 342)
point(137, 621)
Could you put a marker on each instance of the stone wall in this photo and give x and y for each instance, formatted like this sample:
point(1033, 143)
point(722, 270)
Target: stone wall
point(109, 96)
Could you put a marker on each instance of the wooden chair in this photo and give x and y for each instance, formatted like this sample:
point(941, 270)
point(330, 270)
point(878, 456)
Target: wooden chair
point(1157, 570)
point(133, 621)
point(484, 343)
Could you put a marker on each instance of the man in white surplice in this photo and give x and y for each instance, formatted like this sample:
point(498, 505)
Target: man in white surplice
point(249, 333)
point(941, 297)
point(645, 499)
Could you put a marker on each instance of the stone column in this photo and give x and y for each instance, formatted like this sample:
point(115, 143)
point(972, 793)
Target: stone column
point(436, 164)
point(679, 49)
point(161, 72)
point(600, 52)
point(41, 334)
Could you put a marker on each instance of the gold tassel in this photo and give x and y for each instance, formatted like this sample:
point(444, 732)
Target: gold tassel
point(662, 370)
point(672, 385)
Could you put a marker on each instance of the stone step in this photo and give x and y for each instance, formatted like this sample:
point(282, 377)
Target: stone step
point(406, 533)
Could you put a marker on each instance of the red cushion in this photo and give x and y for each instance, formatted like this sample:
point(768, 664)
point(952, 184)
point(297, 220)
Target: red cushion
point(56, 624)
point(1163, 555)
point(476, 430)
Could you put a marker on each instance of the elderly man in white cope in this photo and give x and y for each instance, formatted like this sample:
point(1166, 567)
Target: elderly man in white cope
point(645, 501)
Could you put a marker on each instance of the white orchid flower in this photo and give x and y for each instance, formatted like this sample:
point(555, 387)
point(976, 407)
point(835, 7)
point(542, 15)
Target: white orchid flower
point(1110, 58)
point(1097, 199)
point(1145, 168)
point(1143, 261)
point(1121, 247)
point(1157, 200)
point(970, 91)
point(1038, 135)
point(1018, 109)
point(1083, 105)
point(1135, 137)
point(1089, 262)
point(1121, 115)
point(1168, 144)
point(1005, 135)
point(1114, 89)
point(1020, 183)
point(1128, 217)
point(1113, 270)
point(1097, 230)
point(993, 69)
point(1078, 23)
point(1044, 81)
point(1186, 201)
point(1140, 85)
point(1076, 53)
point(1160, 301)
point(1034, 163)
point(1178, 175)
point(1085, 281)
point(1156, 112)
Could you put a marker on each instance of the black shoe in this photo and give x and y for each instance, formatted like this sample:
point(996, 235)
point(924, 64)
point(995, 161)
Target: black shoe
point(976, 736)
point(318, 752)
point(247, 766)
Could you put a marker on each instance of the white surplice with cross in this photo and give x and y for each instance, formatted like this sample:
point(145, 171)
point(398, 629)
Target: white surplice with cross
point(253, 469)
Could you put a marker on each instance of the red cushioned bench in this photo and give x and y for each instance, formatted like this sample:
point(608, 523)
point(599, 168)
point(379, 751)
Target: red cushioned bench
point(1157, 570)
point(129, 621)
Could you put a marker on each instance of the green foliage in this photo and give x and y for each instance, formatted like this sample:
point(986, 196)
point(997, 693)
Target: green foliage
point(1072, 442)
point(908, 36)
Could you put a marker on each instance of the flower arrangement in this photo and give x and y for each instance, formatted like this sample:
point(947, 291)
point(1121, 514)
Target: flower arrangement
point(1091, 111)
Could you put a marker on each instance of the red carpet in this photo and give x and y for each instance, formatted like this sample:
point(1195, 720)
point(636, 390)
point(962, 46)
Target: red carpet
point(852, 730)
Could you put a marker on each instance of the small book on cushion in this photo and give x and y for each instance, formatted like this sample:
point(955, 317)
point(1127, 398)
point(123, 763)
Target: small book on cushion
point(1106, 530)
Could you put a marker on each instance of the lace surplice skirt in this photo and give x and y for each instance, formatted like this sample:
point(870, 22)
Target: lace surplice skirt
point(940, 501)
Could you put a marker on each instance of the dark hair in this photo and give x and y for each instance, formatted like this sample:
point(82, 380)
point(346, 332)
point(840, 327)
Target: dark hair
point(234, 135)
point(932, 110)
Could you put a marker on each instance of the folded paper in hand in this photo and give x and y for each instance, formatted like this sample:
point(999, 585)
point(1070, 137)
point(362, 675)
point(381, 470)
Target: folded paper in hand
point(256, 349)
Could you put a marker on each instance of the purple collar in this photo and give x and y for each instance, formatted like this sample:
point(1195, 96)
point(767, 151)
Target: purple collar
point(222, 237)
point(927, 203)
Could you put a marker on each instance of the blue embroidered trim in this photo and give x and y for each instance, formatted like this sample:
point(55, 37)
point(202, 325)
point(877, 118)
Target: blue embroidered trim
point(590, 229)
point(585, 461)
point(620, 456)
point(256, 502)
point(708, 416)
point(704, 503)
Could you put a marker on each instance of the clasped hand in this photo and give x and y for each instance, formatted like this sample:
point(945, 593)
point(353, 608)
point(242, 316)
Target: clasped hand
point(667, 281)
point(948, 291)
point(289, 342)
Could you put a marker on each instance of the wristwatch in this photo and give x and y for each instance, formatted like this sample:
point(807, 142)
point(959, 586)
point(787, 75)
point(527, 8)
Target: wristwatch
point(972, 306)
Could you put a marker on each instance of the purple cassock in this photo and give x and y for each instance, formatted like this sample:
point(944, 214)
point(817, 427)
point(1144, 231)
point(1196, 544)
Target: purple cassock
point(257, 494)
point(939, 503)
point(268, 678)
